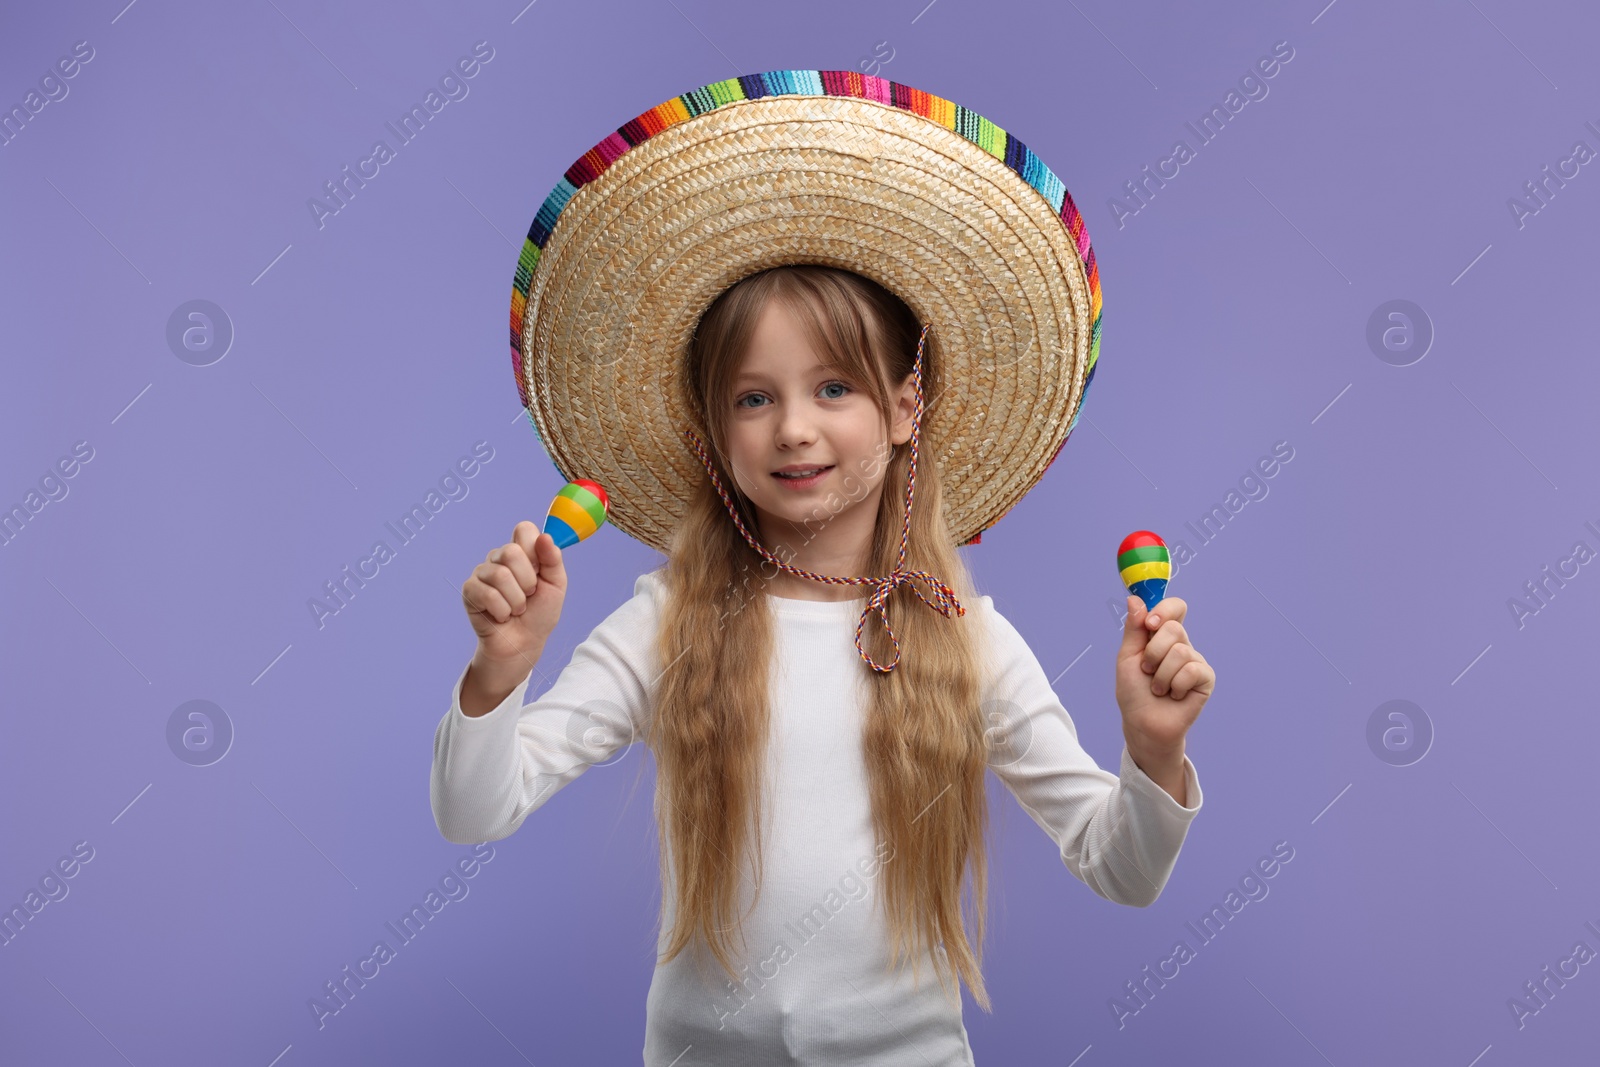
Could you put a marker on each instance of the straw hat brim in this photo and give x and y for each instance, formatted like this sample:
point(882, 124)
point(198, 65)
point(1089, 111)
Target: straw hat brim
point(947, 211)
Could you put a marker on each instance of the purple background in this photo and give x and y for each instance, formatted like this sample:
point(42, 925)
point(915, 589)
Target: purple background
point(370, 354)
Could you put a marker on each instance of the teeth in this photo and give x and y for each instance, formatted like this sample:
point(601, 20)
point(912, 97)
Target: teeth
point(800, 474)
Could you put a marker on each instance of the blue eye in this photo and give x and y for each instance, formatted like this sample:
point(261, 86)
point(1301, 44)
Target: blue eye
point(740, 403)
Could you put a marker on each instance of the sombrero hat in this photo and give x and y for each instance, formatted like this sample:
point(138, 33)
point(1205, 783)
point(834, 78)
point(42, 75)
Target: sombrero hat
point(943, 208)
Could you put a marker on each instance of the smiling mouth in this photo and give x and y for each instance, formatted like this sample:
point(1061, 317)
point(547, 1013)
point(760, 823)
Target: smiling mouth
point(802, 479)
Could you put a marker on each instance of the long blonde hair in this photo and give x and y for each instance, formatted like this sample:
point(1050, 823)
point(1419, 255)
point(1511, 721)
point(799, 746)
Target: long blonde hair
point(923, 736)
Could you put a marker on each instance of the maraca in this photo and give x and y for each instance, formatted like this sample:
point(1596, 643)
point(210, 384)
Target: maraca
point(1145, 566)
point(576, 512)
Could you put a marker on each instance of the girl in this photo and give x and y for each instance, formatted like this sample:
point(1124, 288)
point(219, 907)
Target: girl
point(820, 785)
point(756, 264)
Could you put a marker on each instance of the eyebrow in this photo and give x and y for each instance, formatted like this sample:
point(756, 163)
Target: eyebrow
point(752, 376)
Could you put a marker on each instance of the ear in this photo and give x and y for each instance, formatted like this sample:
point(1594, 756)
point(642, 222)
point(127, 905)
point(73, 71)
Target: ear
point(905, 410)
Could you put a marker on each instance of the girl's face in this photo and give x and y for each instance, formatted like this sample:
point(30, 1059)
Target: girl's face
point(789, 410)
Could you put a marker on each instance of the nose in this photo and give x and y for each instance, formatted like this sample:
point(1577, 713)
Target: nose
point(797, 428)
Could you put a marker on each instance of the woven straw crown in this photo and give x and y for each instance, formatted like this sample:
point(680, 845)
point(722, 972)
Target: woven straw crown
point(949, 212)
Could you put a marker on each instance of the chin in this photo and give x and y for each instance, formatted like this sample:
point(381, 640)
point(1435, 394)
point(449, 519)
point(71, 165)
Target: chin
point(798, 509)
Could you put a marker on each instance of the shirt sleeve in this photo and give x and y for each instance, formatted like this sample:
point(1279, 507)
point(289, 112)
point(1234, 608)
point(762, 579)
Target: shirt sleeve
point(491, 771)
point(1119, 834)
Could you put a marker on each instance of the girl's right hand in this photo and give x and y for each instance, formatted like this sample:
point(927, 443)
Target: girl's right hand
point(513, 598)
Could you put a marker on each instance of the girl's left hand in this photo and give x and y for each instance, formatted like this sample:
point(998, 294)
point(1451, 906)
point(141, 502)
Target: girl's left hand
point(1162, 681)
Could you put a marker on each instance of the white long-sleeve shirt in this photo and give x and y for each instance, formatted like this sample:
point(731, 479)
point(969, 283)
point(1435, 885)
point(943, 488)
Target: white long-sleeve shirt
point(814, 985)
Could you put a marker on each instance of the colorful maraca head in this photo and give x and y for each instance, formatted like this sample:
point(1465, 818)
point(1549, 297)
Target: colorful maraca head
point(1145, 566)
point(576, 512)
